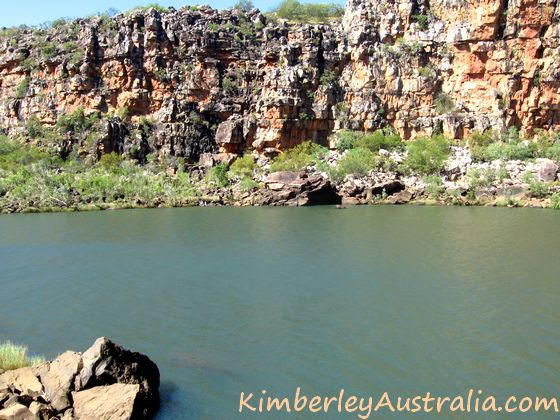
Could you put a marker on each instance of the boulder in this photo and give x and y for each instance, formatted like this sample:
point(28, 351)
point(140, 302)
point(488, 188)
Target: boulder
point(22, 381)
point(41, 411)
point(402, 197)
point(106, 363)
point(388, 188)
point(106, 381)
point(547, 170)
point(57, 378)
point(111, 402)
point(16, 412)
point(297, 189)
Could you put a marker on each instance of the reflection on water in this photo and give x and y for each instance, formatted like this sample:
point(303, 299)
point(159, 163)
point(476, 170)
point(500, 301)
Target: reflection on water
point(225, 300)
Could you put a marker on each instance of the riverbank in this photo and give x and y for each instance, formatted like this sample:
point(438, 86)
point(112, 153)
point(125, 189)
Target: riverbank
point(357, 169)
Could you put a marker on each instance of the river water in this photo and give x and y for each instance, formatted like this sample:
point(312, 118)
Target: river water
point(229, 300)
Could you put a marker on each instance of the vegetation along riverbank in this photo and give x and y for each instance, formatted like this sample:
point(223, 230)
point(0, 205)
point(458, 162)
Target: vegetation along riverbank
point(361, 168)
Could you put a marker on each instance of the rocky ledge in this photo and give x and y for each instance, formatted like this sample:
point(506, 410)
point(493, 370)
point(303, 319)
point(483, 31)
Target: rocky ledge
point(104, 382)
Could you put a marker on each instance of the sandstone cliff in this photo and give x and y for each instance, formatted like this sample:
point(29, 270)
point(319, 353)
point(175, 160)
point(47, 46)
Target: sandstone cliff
point(197, 81)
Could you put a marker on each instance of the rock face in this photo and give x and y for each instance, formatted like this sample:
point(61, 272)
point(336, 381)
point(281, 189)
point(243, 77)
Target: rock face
point(297, 189)
point(104, 382)
point(231, 81)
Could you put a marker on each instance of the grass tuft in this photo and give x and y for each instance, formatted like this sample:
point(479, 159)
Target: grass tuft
point(13, 356)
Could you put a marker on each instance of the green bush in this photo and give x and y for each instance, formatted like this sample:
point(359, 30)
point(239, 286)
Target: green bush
point(507, 151)
point(434, 186)
point(229, 86)
point(14, 357)
point(380, 139)
point(375, 141)
point(22, 88)
point(427, 155)
point(422, 21)
point(428, 72)
point(478, 142)
point(537, 189)
point(249, 184)
point(477, 178)
point(34, 128)
point(242, 168)
point(77, 121)
point(555, 201)
point(111, 161)
point(14, 155)
point(307, 12)
point(345, 139)
point(217, 175)
point(298, 158)
point(358, 162)
point(244, 5)
point(444, 104)
point(486, 147)
point(329, 78)
point(553, 152)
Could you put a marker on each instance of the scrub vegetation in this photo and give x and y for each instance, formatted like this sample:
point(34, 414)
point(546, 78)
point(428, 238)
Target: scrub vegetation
point(13, 357)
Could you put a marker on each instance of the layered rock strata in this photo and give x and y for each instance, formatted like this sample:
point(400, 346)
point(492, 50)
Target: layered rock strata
point(226, 82)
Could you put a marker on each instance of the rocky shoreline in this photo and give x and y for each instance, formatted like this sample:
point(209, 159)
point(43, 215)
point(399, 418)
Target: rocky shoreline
point(104, 382)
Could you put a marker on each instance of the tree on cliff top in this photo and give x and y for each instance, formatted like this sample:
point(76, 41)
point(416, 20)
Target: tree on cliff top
point(244, 5)
point(307, 12)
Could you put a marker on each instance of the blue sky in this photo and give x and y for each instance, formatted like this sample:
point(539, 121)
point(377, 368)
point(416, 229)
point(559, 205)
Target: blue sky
point(33, 12)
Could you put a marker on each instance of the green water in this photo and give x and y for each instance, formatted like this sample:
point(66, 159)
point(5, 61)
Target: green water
point(225, 300)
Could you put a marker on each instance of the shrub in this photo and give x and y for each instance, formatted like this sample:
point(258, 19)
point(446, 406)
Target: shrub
point(478, 142)
point(249, 184)
point(506, 151)
point(14, 357)
point(305, 12)
point(486, 147)
point(434, 186)
point(110, 161)
point(218, 175)
point(358, 162)
point(47, 49)
point(244, 5)
point(300, 157)
point(502, 174)
point(346, 139)
point(34, 128)
point(14, 155)
point(329, 79)
point(555, 201)
point(76, 121)
point(156, 6)
point(428, 72)
point(77, 57)
point(477, 178)
point(537, 188)
point(553, 151)
point(242, 168)
point(444, 104)
point(422, 21)
point(22, 88)
point(427, 155)
point(379, 139)
point(229, 86)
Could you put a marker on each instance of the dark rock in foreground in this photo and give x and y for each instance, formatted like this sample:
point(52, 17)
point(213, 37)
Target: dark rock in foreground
point(104, 382)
